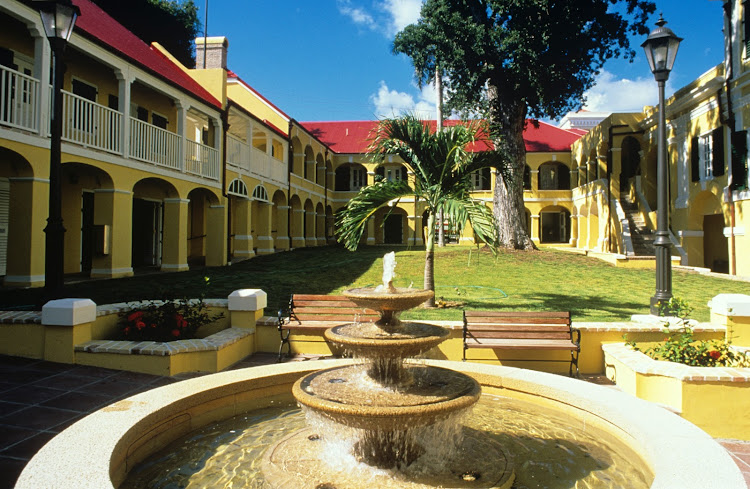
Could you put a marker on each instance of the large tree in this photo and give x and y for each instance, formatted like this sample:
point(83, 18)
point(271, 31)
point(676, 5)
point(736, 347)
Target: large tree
point(441, 165)
point(510, 60)
point(173, 24)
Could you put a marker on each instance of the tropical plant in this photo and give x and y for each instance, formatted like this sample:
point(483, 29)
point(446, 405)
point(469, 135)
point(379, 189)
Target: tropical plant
point(441, 164)
point(508, 60)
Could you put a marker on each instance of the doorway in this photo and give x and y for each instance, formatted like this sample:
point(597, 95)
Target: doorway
point(147, 233)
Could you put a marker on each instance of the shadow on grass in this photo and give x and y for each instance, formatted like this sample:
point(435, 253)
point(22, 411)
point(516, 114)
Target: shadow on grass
point(306, 270)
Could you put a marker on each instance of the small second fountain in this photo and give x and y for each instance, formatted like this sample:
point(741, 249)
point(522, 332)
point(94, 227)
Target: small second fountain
point(399, 416)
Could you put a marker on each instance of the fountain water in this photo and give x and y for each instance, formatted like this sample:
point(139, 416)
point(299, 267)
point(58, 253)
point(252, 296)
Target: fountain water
point(389, 402)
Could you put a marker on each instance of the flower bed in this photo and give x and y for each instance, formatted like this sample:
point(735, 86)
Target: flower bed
point(716, 399)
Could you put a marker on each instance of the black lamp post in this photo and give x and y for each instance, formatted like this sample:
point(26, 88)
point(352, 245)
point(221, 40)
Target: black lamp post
point(58, 19)
point(661, 50)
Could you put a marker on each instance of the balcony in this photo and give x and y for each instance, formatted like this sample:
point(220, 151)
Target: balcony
point(242, 156)
point(96, 126)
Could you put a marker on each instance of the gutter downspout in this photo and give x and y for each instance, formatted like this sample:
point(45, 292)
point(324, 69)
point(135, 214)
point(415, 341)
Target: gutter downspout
point(728, 76)
point(325, 195)
point(225, 131)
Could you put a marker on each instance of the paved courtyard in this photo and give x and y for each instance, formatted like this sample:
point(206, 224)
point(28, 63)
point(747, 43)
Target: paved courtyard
point(39, 399)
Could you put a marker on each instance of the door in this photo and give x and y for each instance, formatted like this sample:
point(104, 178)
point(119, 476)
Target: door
point(393, 229)
point(147, 229)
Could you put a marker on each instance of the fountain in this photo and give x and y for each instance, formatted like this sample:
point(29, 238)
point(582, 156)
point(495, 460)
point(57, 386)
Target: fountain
point(206, 431)
point(389, 403)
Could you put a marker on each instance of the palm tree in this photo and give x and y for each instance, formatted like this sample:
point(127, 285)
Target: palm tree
point(441, 164)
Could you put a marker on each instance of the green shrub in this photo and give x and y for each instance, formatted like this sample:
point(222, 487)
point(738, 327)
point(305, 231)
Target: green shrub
point(680, 346)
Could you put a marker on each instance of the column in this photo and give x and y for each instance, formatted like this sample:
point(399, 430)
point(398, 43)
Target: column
point(310, 239)
point(182, 109)
point(216, 232)
point(574, 230)
point(263, 229)
point(113, 218)
point(371, 231)
point(243, 240)
point(534, 231)
point(124, 80)
point(27, 217)
point(42, 57)
point(174, 242)
point(298, 219)
point(281, 242)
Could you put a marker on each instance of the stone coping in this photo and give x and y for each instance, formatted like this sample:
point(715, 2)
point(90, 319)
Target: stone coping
point(118, 307)
point(643, 364)
point(213, 342)
point(678, 453)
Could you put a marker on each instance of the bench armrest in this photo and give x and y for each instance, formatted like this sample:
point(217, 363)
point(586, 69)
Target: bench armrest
point(577, 332)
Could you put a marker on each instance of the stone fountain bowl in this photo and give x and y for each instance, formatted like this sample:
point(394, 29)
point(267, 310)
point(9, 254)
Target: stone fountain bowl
point(396, 299)
point(369, 341)
point(338, 394)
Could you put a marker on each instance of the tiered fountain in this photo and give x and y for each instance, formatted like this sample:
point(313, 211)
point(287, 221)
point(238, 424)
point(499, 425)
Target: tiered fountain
point(389, 407)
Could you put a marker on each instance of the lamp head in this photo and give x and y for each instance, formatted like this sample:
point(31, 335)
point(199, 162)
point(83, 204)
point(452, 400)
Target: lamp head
point(661, 49)
point(58, 18)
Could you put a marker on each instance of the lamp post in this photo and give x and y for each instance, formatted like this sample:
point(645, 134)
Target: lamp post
point(58, 19)
point(661, 50)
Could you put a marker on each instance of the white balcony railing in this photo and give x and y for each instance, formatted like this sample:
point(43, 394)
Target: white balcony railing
point(266, 165)
point(201, 160)
point(238, 153)
point(90, 124)
point(155, 145)
point(19, 100)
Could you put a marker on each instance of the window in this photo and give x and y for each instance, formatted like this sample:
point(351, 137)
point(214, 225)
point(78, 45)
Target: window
point(391, 173)
point(358, 178)
point(480, 179)
point(158, 120)
point(707, 156)
point(739, 161)
point(84, 118)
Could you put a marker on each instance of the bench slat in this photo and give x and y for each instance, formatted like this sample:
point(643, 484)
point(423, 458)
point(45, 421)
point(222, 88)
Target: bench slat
point(550, 314)
point(517, 344)
point(519, 334)
point(517, 327)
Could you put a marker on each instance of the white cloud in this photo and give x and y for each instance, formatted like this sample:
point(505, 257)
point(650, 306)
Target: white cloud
point(402, 13)
point(391, 103)
point(612, 94)
point(357, 15)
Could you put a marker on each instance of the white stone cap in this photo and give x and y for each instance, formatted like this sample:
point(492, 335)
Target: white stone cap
point(662, 321)
point(730, 304)
point(247, 300)
point(68, 312)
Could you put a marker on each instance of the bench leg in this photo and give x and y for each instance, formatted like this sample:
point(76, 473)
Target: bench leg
point(573, 362)
point(285, 341)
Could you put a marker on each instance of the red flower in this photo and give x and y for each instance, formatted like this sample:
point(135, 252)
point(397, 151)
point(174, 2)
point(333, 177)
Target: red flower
point(135, 315)
point(175, 333)
point(126, 330)
point(140, 325)
point(714, 354)
point(153, 325)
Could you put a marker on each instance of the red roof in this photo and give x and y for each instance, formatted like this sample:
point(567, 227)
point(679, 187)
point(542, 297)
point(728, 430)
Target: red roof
point(353, 136)
point(95, 22)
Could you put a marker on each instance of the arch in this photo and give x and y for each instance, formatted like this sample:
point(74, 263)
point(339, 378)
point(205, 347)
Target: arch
point(390, 172)
point(238, 188)
point(630, 161)
point(280, 221)
point(554, 175)
point(320, 170)
point(707, 215)
point(199, 234)
point(309, 167)
point(391, 225)
point(329, 175)
point(309, 223)
point(350, 177)
point(148, 230)
point(260, 193)
point(260, 139)
point(297, 222)
point(554, 224)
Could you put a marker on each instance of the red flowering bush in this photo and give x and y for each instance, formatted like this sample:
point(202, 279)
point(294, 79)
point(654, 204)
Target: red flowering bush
point(681, 347)
point(168, 319)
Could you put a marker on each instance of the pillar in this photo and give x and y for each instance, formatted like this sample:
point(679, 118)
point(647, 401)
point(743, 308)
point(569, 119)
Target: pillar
point(113, 216)
point(216, 232)
point(371, 231)
point(243, 239)
point(733, 312)
point(27, 217)
point(263, 229)
point(310, 239)
point(174, 242)
point(281, 241)
point(246, 307)
point(534, 231)
point(298, 226)
point(67, 323)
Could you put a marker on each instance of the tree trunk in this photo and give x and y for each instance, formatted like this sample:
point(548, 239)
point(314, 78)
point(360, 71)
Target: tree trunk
point(429, 259)
point(438, 128)
point(507, 120)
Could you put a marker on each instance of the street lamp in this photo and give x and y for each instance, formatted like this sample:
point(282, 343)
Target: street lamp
point(661, 50)
point(58, 19)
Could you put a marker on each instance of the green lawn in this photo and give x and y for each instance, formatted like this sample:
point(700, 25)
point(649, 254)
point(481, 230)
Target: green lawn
point(464, 277)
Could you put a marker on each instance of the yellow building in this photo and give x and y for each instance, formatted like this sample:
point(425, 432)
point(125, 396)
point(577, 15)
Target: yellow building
point(707, 138)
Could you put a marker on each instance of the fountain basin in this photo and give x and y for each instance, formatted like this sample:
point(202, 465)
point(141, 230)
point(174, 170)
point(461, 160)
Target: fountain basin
point(370, 341)
point(435, 394)
point(396, 299)
point(97, 451)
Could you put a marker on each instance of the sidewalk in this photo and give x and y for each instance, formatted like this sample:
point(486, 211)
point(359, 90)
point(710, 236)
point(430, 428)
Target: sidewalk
point(39, 399)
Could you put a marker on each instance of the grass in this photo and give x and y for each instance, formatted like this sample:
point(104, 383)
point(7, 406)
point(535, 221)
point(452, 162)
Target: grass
point(464, 277)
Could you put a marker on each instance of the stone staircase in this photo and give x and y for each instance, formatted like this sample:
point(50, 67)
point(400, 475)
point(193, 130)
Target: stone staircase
point(641, 236)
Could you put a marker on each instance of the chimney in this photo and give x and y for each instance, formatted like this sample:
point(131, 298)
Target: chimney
point(213, 50)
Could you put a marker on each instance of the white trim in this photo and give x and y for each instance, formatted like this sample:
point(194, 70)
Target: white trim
point(689, 233)
point(243, 237)
point(112, 191)
point(110, 271)
point(28, 179)
point(738, 231)
point(14, 279)
point(175, 266)
point(174, 200)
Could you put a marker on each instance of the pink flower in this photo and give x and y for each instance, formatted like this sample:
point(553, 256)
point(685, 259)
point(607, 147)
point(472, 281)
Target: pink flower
point(714, 354)
point(176, 333)
point(135, 315)
point(140, 325)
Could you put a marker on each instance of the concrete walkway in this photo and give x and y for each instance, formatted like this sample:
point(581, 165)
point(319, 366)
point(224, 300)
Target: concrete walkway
point(39, 399)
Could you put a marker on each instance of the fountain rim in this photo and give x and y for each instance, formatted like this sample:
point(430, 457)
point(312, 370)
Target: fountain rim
point(676, 451)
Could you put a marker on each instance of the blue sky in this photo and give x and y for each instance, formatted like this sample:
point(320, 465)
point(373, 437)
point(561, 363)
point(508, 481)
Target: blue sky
point(331, 59)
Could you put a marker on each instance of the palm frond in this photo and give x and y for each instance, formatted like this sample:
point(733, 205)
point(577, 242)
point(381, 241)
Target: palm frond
point(476, 214)
point(351, 221)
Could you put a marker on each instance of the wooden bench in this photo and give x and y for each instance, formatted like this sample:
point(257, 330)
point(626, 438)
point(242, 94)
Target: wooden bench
point(316, 313)
point(506, 330)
